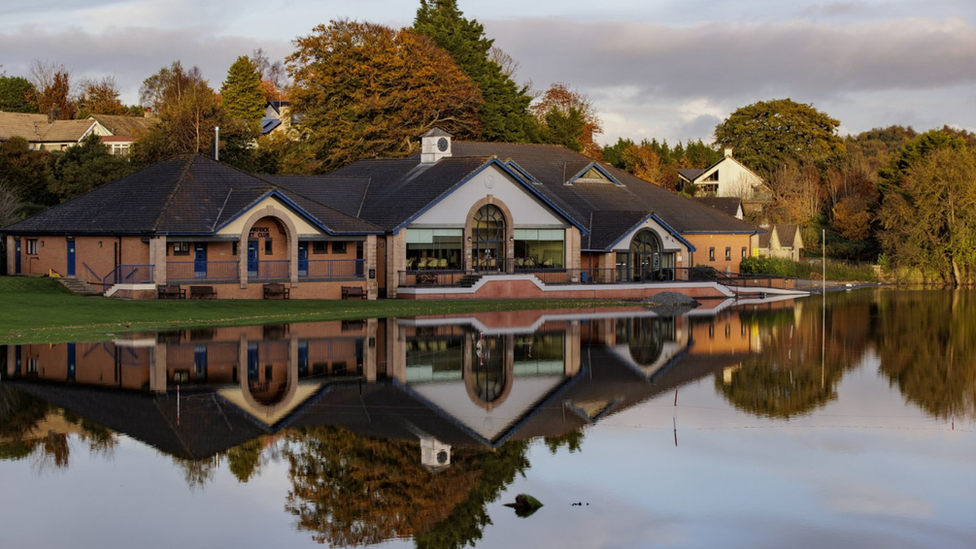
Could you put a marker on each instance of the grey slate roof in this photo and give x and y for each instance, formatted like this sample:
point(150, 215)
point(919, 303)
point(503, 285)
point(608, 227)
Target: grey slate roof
point(729, 205)
point(690, 174)
point(183, 195)
point(786, 234)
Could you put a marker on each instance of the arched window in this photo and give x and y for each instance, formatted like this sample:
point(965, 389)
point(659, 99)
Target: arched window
point(489, 237)
point(645, 252)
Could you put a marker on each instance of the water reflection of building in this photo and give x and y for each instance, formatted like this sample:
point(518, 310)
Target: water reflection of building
point(461, 382)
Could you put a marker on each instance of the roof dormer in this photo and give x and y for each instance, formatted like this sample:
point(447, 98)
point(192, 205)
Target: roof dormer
point(434, 145)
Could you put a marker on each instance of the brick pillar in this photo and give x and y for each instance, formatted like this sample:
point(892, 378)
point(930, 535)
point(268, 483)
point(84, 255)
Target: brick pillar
point(396, 261)
point(369, 253)
point(369, 351)
point(157, 254)
point(571, 353)
point(10, 254)
point(158, 369)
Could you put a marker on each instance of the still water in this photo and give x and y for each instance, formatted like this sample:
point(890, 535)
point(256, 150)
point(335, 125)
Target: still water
point(764, 424)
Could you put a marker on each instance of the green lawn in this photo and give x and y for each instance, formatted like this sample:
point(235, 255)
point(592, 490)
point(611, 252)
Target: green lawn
point(41, 310)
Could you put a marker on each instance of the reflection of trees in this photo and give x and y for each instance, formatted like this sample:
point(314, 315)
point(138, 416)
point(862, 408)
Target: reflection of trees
point(573, 441)
point(351, 490)
point(796, 371)
point(21, 417)
point(244, 461)
point(927, 344)
point(196, 472)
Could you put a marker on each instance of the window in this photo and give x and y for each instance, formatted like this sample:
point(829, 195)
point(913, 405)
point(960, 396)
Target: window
point(181, 248)
point(320, 247)
point(434, 249)
point(233, 248)
point(31, 246)
point(744, 252)
point(728, 253)
point(712, 176)
point(338, 247)
point(268, 249)
point(539, 248)
point(711, 254)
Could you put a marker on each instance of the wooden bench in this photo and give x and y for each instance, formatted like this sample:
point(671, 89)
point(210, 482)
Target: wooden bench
point(170, 291)
point(276, 290)
point(202, 292)
point(353, 292)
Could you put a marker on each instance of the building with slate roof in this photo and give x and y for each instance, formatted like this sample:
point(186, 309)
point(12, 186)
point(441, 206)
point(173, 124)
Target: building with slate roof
point(116, 132)
point(782, 241)
point(457, 220)
point(726, 178)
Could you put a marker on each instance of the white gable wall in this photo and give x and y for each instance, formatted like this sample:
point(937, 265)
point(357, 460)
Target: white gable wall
point(527, 210)
point(734, 180)
point(668, 242)
point(301, 224)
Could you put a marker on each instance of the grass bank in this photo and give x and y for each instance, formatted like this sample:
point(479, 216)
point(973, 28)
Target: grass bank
point(41, 310)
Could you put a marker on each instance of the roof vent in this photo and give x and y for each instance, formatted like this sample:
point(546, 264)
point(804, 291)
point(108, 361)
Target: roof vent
point(434, 145)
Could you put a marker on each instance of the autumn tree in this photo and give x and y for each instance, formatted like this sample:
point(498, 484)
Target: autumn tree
point(187, 109)
point(504, 115)
point(242, 96)
point(769, 134)
point(274, 77)
point(366, 91)
point(100, 97)
point(642, 161)
point(557, 127)
point(563, 99)
point(17, 94)
point(53, 85)
point(928, 213)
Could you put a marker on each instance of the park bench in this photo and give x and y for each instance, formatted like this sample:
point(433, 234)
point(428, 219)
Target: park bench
point(353, 292)
point(276, 290)
point(202, 292)
point(170, 291)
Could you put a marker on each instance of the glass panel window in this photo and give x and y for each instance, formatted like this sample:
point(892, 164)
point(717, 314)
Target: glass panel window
point(31, 246)
point(320, 247)
point(540, 249)
point(268, 248)
point(711, 254)
point(744, 252)
point(728, 253)
point(338, 247)
point(181, 248)
point(434, 249)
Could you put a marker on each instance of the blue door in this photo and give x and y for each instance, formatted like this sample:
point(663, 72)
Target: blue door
point(71, 362)
point(252, 362)
point(200, 260)
point(302, 359)
point(16, 256)
point(303, 259)
point(200, 363)
point(71, 257)
point(252, 258)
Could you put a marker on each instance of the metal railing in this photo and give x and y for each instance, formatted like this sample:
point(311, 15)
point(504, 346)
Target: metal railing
point(331, 268)
point(425, 277)
point(128, 274)
point(271, 269)
point(200, 270)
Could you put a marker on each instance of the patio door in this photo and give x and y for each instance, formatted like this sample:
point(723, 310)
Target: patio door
point(489, 239)
point(200, 260)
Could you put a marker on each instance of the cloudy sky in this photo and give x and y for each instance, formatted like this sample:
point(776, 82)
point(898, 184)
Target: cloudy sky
point(670, 69)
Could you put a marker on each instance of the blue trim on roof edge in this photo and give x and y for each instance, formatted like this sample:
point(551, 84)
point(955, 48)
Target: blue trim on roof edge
point(470, 176)
point(659, 221)
point(600, 169)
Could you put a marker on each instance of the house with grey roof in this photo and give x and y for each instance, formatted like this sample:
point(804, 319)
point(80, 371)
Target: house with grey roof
point(726, 178)
point(459, 219)
point(782, 241)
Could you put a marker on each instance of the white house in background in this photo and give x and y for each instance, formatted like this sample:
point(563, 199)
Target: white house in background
point(726, 178)
point(782, 241)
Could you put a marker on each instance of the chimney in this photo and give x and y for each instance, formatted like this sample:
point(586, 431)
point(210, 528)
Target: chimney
point(434, 145)
point(148, 113)
point(728, 152)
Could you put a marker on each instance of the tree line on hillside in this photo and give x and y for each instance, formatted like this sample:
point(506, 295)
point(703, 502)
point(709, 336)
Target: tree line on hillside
point(361, 90)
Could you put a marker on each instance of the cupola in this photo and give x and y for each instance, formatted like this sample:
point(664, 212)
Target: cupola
point(434, 145)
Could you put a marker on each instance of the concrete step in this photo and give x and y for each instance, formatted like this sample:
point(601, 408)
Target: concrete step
point(78, 286)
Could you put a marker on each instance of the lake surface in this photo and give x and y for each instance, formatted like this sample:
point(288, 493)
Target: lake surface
point(758, 424)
